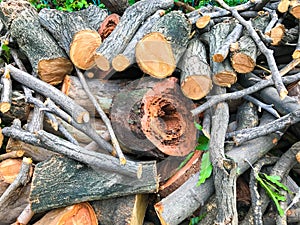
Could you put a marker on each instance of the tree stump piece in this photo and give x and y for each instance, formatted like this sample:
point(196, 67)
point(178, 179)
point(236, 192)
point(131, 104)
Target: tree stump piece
point(195, 78)
point(47, 59)
point(158, 52)
point(132, 18)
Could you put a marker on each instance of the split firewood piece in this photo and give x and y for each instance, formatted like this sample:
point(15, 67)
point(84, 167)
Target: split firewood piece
point(195, 78)
point(6, 92)
point(79, 114)
point(158, 52)
point(127, 57)
point(103, 90)
point(81, 213)
point(222, 52)
point(129, 209)
point(108, 25)
point(295, 8)
point(76, 182)
point(283, 6)
point(116, 6)
point(74, 33)
point(132, 18)
point(223, 73)
point(48, 60)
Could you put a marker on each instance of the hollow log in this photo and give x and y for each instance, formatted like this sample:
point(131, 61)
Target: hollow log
point(158, 52)
point(60, 181)
point(127, 57)
point(153, 113)
point(129, 209)
point(47, 59)
point(103, 90)
point(223, 73)
point(132, 18)
point(75, 33)
point(195, 80)
point(116, 6)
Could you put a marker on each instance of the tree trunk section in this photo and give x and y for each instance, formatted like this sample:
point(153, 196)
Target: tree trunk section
point(116, 6)
point(223, 73)
point(195, 78)
point(47, 59)
point(75, 32)
point(132, 18)
point(129, 209)
point(158, 52)
point(60, 181)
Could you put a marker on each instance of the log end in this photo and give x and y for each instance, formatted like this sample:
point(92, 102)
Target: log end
point(120, 63)
point(159, 209)
point(5, 107)
point(83, 47)
point(277, 34)
point(295, 11)
point(196, 87)
point(102, 62)
point(154, 55)
point(296, 54)
point(242, 63)
point(225, 78)
point(298, 157)
point(53, 71)
point(218, 58)
point(283, 6)
point(203, 21)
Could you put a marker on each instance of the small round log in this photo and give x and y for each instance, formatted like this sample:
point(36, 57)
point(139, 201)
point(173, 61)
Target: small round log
point(158, 52)
point(203, 21)
point(295, 8)
point(195, 79)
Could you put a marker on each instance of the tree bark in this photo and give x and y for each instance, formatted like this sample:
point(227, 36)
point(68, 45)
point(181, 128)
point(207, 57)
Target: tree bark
point(116, 6)
point(132, 18)
point(195, 78)
point(73, 182)
point(47, 59)
point(75, 32)
point(158, 52)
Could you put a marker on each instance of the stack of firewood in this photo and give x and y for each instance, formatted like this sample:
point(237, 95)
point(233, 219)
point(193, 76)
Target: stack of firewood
point(101, 107)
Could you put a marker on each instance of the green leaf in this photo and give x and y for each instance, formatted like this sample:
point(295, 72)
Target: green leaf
point(187, 158)
point(205, 169)
point(275, 180)
point(198, 126)
point(5, 48)
point(203, 143)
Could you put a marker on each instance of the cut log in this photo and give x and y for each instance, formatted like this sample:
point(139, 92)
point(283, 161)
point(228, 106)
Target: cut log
point(116, 6)
point(158, 52)
point(127, 58)
point(195, 80)
point(103, 90)
point(81, 213)
point(6, 92)
point(295, 8)
point(75, 33)
point(223, 74)
point(203, 21)
point(9, 170)
point(277, 34)
point(129, 209)
point(60, 181)
point(108, 25)
point(283, 6)
point(47, 59)
point(156, 111)
point(125, 30)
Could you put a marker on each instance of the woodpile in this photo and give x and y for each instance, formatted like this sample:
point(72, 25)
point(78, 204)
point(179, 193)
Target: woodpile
point(100, 112)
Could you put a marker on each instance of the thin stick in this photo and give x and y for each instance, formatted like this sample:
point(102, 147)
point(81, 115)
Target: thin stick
point(238, 94)
point(21, 179)
point(267, 52)
point(103, 116)
point(12, 155)
point(25, 216)
point(6, 92)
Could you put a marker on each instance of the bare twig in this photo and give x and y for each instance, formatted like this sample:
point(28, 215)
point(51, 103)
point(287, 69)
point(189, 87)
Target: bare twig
point(103, 117)
point(267, 52)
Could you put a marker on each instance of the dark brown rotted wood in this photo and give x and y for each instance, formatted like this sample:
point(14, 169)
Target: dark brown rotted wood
point(75, 33)
point(60, 181)
point(132, 18)
point(195, 80)
point(47, 59)
point(129, 209)
point(223, 73)
point(108, 25)
point(116, 6)
point(158, 52)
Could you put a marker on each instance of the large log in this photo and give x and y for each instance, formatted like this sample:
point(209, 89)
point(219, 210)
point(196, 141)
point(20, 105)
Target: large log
point(154, 110)
point(75, 32)
point(132, 18)
point(60, 181)
point(158, 52)
point(223, 73)
point(47, 59)
point(195, 80)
